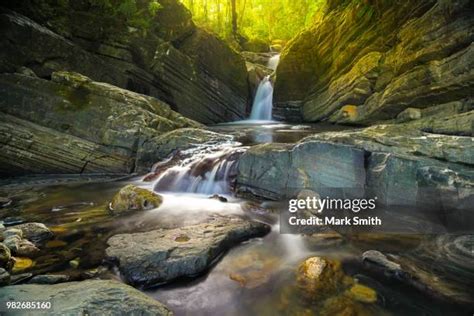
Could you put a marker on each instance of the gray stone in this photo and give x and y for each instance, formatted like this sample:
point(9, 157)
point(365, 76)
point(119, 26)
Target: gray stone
point(93, 297)
point(4, 277)
point(150, 258)
point(35, 232)
point(49, 279)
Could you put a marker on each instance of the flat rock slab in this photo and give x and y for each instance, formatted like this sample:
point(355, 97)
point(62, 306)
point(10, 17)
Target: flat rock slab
point(93, 297)
point(151, 258)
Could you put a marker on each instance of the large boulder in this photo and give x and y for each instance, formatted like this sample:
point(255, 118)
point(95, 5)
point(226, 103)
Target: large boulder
point(193, 71)
point(378, 57)
point(398, 164)
point(94, 297)
point(71, 124)
point(158, 256)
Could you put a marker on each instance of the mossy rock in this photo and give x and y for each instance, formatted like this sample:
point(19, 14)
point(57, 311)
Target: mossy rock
point(132, 198)
point(362, 294)
point(318, 277)
point(22, 264)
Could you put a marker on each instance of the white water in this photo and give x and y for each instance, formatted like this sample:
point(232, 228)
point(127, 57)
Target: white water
point(293, 244)
point(263, 102)
point(206, 173)
point(273, 62)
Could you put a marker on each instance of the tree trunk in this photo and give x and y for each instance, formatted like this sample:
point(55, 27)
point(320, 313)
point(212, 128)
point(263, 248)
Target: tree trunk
point(234, 17)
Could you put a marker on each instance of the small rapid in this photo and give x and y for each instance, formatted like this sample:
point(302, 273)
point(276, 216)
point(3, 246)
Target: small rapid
point(205, 173)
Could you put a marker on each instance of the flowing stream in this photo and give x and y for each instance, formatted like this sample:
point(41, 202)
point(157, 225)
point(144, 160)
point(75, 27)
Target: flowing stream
point(256, 277)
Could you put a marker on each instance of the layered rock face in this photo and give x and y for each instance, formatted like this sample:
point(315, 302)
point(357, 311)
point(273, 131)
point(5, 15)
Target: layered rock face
point(193, 71)
point(71, 124)
point(397, 163)
point(368, 61)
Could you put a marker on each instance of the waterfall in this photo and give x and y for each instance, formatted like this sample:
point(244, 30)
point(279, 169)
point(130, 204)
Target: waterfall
point(263, 102)
point(209, 173)
point(273, 62)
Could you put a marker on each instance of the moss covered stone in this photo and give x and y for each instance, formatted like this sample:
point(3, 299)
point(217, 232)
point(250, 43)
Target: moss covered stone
point(132, 198)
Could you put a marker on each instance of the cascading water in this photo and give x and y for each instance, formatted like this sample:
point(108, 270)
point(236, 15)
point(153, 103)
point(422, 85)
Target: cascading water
point(205, 173)
point(273, 62)
point(263, 102)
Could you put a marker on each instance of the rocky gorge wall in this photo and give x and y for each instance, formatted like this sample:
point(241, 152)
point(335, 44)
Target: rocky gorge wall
point(193, 71)
point(368, 61)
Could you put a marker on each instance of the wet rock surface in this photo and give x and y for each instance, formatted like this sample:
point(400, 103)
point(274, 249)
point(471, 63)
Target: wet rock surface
point(96, 297)
point(151, 258)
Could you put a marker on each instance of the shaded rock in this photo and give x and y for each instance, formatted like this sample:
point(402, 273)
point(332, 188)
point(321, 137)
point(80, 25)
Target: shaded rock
point(158, 256)
point(19, 278)
point(132, 198)
point(381, 61)
point(67, 108)
point(4, 201)
point(98, 297)
point(363, 294)
point(5, 255)
point(409, 114)
point(257, 58)
point(173, 60)
point(318, 166)
point(255, 45)
point(398, 164)
point(408, 272)
point(35, 232)
point(219, 198)
point(379, 259)
point(26, 249)
point(4, 277)
point(49, 279)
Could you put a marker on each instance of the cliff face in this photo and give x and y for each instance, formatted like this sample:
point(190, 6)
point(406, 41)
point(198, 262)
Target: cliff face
point(172, 59)
point(71, 124)
point(369, 61)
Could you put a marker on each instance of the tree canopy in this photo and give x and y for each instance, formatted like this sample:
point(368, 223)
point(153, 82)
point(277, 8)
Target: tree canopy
point(255, 19)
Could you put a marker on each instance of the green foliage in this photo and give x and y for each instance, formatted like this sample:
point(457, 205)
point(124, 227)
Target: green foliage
point(257, 19)
point(138, 13)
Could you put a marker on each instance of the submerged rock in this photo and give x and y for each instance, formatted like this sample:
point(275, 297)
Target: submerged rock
point(132, 198)
point(158, 256)
point(35, 232)
point(94, 297)
point(425, 280)
point(319, 277)
point(49, 279)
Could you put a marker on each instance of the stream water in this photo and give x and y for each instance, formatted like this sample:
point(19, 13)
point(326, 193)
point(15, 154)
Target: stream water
point(254, 278)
